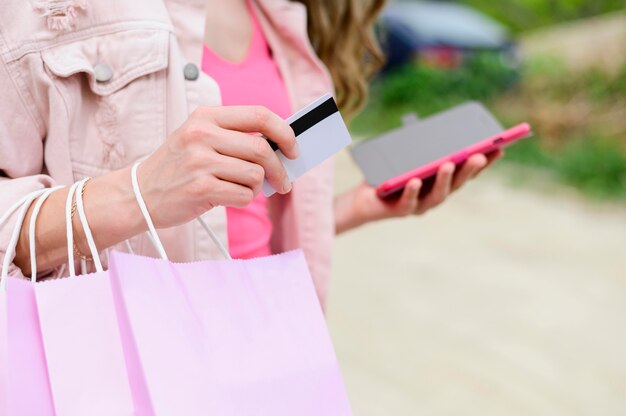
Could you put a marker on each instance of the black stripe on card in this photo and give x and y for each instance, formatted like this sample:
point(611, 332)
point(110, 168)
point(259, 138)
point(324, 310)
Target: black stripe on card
point(313, 117)
point(310, 119)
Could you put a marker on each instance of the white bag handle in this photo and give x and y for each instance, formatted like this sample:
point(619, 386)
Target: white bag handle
point(217, 242)
point(68, 229)
point(152, 231)
point(80, 207)
point(77, 189)
point(31, 231)
point(23, 205)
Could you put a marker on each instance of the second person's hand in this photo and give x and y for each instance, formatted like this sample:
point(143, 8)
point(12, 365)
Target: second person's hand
point(362, 205)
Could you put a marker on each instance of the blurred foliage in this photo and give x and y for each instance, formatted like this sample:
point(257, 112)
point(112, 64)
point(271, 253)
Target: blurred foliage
point(527, 14)
point(427, 90)
point(579, 119)
point(595, 166)
point(565, 105)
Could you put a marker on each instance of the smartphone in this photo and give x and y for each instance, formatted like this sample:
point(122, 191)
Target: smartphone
point(420, 147)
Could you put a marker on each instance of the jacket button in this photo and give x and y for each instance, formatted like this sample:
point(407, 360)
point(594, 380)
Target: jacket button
point(102, 72)
point(191, 72)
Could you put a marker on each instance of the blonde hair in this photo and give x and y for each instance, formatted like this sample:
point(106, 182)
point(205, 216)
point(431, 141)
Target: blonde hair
point(342, 33)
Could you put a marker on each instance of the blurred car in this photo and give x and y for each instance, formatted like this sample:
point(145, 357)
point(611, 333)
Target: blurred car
point(441, 34)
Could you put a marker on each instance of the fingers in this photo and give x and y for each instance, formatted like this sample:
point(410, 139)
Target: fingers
point(493, 156)
point(468, 170)
point(240, 172)
point(474, 166)
point(253, 119)
point(257, 150)
point(409, 200)
point(441, 189)
point(231, 194)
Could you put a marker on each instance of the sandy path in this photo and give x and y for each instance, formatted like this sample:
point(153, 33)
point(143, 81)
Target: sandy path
point(506, 301)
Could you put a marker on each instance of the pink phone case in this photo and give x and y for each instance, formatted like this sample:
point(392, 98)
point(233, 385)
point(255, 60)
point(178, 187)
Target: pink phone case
point(498, 141)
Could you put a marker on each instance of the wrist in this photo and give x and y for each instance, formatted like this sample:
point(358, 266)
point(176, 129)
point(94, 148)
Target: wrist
point(112, 201)
point(348, 212)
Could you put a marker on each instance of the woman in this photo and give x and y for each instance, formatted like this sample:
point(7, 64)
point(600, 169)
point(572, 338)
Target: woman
point(89, 87)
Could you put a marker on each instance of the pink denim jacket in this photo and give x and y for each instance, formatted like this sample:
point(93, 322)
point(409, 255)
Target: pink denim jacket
point(90, 86)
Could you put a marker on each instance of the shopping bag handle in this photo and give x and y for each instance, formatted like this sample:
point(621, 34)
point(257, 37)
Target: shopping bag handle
point(23, 205)
point(77, 189)
point(152, 231)
point(80, 207)
point(31, 231)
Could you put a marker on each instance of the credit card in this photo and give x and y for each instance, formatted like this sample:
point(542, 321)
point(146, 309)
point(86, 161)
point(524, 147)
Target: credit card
point(320, 133)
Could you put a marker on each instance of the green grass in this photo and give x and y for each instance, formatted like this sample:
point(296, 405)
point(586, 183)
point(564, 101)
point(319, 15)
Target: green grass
point(595, 166)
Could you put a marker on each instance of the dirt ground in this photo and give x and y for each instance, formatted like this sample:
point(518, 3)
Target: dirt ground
point(597, 42)
point(508, 300)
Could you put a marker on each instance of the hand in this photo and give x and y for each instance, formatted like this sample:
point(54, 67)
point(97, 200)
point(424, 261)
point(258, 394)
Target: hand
point(362, 205)
point(211, 160)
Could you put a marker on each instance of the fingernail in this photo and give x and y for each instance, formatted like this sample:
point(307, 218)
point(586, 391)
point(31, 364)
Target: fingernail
point(296, 150)
point(286, 185)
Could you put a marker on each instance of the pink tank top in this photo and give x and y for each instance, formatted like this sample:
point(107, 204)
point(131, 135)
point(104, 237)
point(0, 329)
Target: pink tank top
point(253, 81)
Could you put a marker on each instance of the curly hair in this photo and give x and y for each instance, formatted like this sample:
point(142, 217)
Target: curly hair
point(342, 33)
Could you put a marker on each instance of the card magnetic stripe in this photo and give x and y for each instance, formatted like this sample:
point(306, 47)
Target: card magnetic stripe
point(310, 119)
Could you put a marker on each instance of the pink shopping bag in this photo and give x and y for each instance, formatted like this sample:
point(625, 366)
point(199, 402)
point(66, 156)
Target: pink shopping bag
point(228, 337)
point(151, 337)
point(239, 337)
point(4, 354)
point(26, 366)
point(24, 387)
point(84, 348)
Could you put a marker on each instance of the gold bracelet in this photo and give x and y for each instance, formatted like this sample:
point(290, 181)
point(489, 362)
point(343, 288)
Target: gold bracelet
point(77, 252)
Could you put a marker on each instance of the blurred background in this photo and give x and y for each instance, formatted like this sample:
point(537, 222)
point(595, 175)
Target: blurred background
point(510, 299)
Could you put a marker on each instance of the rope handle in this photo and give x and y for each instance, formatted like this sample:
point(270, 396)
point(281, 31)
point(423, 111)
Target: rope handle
point(83, 220)
point(31, 231)
point(68, 229)
point(154, 238)
point(23, 205)
point(76, 190)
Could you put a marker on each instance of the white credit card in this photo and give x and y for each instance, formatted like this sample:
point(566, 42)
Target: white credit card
point(320, 133)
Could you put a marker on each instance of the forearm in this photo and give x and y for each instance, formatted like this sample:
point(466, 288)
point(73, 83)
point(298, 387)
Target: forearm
point(112, 214)
point(346, 215)
point(362, 205)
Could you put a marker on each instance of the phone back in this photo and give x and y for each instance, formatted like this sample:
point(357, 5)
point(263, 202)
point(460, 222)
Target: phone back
point(418, 143)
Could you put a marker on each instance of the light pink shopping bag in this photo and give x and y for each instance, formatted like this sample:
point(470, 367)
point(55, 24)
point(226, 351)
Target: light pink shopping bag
point(239, 337)
point(229, 337)
point(24, 386)
point(27, 389)
point(4, 354)
point(84, 349)
point(152, 337)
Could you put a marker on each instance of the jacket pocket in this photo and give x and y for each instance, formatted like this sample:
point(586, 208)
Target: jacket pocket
point(113, 87)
